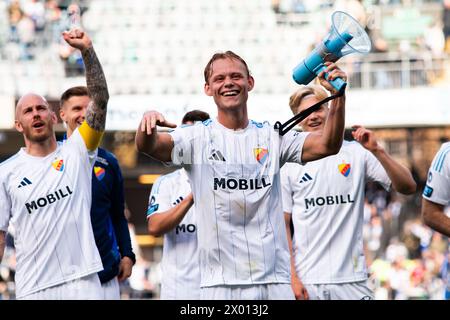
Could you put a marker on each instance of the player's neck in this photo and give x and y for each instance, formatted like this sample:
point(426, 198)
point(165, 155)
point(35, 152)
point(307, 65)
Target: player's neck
point(233, 119)
point(69, 132)
point(42, 148)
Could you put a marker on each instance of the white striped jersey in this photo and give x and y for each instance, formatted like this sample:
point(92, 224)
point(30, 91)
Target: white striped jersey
point(437, 188)
point(234, 176)
point(48, 201)
point(180, 263)
point(326, 200)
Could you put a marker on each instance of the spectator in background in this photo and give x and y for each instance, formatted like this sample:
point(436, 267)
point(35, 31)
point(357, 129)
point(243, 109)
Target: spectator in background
point(73, 62)
point(15, 14)
point(26, 33)
point(170, 213)
point(446, 24)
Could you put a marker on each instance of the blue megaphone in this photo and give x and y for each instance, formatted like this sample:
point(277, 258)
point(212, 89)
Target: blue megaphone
point(346, 36)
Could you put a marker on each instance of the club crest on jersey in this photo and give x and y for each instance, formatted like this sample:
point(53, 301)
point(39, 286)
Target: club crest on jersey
point(99, 173)
point(58, 164)
point(260, 154)
point(344, 168)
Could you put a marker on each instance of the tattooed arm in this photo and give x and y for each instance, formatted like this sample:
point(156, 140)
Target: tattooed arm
point(94, 125)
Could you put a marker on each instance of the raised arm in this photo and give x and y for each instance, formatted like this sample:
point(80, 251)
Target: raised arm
point(94, 125)
point(2, 244)
point(148, 140)
point(401, 177)
point(329, 141)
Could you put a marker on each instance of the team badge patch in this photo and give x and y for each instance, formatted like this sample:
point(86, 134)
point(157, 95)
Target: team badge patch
point(99, 173)
point(344, 168)
point(58, 164)
point(152, 206)
point(428, 191)
point(260, 154)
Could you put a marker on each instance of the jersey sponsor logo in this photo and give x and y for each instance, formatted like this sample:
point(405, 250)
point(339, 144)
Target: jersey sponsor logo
point(344, 169)
point(216, 155)
point(152, 206)
point(191, 228)
point(25, 182)
point(99, 173)
point(240, 184)
point(328, 200)
point(261, 154)
point(48, 199)
point(58, 164)
point(306, 178)
point(428, 191)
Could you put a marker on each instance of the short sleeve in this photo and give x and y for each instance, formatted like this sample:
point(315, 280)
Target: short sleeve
point(287, 198)
point(182, 152)
point(437, 188)
point(375, 171)
point(5, 207)
point(159, 199)
point(291, 147)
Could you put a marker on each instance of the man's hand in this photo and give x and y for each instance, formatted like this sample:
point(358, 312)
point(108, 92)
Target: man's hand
point(78, 39)
point(333, 72)
point(365, 137)
point(299, 289)
point(153, 118)
point(125, 267)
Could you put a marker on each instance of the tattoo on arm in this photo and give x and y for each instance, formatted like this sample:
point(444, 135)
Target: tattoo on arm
point(98, 90)
point(2, 244)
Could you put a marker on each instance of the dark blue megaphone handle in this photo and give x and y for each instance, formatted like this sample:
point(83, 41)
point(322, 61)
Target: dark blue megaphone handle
point(337, 83)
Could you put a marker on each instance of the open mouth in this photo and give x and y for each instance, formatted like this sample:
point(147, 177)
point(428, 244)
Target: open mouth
point(38, 125)
point(230, 93)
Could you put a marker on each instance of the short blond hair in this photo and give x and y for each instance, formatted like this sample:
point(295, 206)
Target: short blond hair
point(297, 97)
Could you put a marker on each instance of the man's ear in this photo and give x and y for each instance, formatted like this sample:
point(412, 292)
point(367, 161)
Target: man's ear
point(55, 118)
point(62, 114)
point(208, 90)
point(18, 126)
point(251, 83)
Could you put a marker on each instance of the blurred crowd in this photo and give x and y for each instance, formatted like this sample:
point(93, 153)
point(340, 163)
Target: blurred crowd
point(37, 24)
point(406, 259)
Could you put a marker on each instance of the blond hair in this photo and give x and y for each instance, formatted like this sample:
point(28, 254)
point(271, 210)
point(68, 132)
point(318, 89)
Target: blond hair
point(297, 97)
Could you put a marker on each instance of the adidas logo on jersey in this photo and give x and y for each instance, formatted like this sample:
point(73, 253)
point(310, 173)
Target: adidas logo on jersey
point(306, 178)
point(177, 201)
point(216, 155)
point(24, 182)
